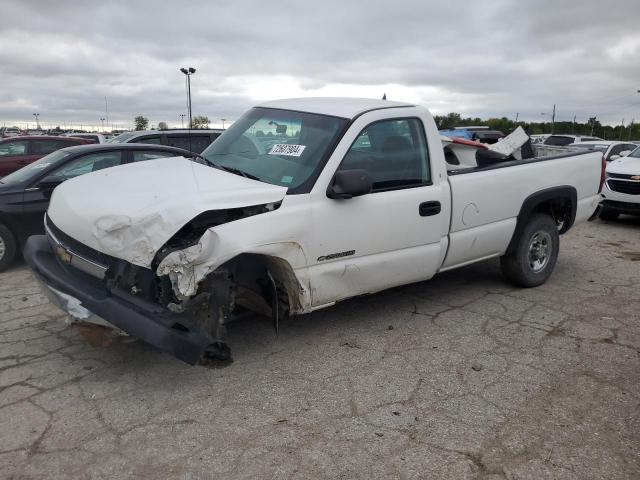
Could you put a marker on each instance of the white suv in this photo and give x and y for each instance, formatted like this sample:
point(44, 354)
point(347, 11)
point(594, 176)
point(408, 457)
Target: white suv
point(621, 193)
point(612, 150)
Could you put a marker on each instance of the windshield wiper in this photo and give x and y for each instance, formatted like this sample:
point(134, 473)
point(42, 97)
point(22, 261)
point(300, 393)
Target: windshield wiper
point(237, 171)
point(234, 170)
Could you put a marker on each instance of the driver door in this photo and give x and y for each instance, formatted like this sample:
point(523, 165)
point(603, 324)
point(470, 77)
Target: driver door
point(396, 234)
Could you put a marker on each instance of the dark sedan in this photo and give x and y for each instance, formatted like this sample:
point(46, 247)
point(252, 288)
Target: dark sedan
point(25, 194)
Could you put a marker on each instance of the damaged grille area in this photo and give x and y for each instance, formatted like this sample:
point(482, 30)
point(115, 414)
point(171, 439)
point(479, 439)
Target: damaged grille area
point(120, 275)
point(79, 248)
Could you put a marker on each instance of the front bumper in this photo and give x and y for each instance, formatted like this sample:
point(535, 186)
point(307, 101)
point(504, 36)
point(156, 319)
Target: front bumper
point(70, 290)
point(621, 207)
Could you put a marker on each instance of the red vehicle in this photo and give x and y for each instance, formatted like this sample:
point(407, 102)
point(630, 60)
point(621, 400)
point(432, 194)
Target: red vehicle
point(16, 152)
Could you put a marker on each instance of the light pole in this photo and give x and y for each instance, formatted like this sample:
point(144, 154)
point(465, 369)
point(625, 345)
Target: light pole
point(102, 119)
point(188, 71)
point(553, 118)
point(223, 120)
point(37, 121)
point(181, 120)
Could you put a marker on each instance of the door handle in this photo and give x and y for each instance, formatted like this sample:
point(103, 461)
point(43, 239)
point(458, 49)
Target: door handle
point(426, 209)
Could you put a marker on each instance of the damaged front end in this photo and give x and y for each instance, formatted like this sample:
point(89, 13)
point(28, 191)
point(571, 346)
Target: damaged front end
point(183, 303)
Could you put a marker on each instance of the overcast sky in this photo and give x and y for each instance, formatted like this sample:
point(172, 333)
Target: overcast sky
point(494, 58)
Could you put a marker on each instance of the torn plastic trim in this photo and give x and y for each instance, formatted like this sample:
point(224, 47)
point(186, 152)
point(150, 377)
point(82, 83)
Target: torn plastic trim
point(191, 233)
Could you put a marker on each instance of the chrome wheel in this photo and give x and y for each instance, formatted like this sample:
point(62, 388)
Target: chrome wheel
point(539, 251)
point(3, 248)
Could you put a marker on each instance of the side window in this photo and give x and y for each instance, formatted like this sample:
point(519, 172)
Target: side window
point(45, 147)
point(180, 141)
point(153, 140)
point(393, 152)
point(88, 163)
point(143, 155)
point(68, 143)
point(198, 142)
point(18, 147)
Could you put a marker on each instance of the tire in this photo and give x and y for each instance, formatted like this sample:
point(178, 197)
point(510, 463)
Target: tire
point(8, 248)
point(534, 257)
point(608, 214)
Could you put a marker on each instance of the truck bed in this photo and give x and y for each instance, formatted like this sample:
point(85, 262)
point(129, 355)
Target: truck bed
point(486, 200)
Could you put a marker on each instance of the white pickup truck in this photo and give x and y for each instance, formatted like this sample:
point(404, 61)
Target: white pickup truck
point(299, 204)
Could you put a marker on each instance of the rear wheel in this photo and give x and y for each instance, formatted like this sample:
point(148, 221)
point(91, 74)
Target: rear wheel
point(608, 214)
point(534, 257)
point(7, 248)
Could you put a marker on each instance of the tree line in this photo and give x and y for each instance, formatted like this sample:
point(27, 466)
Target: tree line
point(199, 121)
point(506, 125)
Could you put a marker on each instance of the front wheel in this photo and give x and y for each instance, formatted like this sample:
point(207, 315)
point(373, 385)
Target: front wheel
point(534, 257)
point(8, 247)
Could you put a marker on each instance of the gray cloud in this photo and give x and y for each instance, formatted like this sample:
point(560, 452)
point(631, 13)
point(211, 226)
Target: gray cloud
point(483, 59)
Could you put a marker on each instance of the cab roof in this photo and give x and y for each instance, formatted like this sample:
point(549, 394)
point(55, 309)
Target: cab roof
point(333, 106)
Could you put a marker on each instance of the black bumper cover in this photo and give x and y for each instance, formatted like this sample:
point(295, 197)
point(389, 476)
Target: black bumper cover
point(143, 320)
point(622, 207)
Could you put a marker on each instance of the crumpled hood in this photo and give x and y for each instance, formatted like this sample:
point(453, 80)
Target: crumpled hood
point(625, 166)
point(130, 211)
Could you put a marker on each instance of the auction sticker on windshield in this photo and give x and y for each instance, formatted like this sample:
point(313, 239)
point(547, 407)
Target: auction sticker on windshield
point(287, 150)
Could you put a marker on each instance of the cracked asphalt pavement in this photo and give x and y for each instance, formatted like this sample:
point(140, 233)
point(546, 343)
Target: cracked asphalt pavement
point(460, 377)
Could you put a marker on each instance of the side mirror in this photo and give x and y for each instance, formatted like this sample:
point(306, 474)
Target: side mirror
point(49, 183)
point(349, 183)
point(614, 157)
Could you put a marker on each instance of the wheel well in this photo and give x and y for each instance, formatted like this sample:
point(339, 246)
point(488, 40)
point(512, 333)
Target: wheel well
point(560, 203)
point(560, 209)
point(251, 271)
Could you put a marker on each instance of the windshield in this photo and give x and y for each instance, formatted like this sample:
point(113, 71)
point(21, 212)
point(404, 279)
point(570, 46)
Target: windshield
point(122, 138)
point(34, 169)
point(635, 153)
point(280, 147)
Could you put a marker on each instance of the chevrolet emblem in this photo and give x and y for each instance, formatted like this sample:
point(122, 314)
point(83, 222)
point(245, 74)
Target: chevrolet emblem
point(635, 177)
point(63, 254)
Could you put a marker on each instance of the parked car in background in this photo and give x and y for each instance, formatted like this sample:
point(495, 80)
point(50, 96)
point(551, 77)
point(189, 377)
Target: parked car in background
point(17, 152)
point(6, 132)
point(195, 140)
point(539, 138)
point(621, 193)
point(611, 150)
point(563, 140)
point(25, 194)
point(93, 137)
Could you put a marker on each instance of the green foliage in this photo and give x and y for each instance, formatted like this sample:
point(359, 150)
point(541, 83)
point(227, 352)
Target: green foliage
point(506, 125)
point(200, 121)
point(141, 122)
